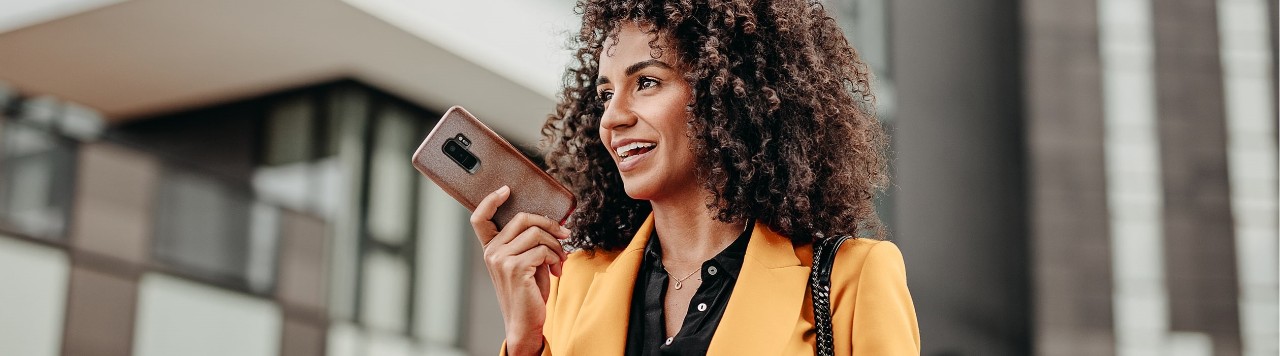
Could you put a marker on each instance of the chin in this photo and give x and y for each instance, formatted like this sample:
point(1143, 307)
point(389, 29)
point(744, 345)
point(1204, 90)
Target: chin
point(638, 191)
point(644, 186)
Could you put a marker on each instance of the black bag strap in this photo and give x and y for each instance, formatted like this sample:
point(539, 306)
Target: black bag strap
point(824, 259)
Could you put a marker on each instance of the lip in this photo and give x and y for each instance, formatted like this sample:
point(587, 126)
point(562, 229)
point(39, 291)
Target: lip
point(630, 164)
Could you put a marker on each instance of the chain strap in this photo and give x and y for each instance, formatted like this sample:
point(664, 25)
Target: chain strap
point(824, 253)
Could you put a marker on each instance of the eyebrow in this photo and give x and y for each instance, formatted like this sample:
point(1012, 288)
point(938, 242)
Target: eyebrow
point(632, 69)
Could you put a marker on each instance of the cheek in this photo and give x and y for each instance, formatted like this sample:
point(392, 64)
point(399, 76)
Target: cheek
point(604, 138)
point(681, 145)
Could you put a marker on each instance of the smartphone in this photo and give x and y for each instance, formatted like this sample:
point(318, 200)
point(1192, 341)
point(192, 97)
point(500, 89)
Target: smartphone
point(469, 161)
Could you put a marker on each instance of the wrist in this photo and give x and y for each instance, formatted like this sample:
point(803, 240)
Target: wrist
point(524, 345)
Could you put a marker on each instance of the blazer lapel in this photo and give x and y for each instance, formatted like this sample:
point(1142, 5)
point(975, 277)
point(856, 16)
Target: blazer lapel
point(766, 301)
point(601, 324)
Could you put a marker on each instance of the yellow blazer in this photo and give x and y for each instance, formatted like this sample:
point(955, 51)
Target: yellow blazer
point(769, 313)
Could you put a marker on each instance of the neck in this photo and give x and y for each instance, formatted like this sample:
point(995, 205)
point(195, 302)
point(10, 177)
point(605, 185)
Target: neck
point(689, 232)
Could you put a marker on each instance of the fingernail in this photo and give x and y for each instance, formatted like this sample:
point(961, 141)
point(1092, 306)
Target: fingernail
point(504, 190)
point(564, 230)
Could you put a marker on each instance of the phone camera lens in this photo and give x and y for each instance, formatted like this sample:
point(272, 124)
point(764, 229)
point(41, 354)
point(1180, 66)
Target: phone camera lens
point(460, 155)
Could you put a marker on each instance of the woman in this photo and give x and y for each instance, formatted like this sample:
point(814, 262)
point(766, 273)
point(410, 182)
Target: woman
point(709, 143)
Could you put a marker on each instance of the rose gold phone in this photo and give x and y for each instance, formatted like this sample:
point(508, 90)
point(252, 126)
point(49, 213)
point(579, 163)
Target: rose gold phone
point(469, 161)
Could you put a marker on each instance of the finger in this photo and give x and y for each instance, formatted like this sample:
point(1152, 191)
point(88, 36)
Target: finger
point(551, 226)
point(531, 238)
point(533, 260)
point(522, 222)
point(558, 269)
point(549, 258)
point(482, 216)
point(544, 282)
point(515, 271)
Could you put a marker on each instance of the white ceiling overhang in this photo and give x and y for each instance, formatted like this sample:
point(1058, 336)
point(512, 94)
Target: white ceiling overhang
point(134, 58)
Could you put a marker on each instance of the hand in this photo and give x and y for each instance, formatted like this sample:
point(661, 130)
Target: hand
point(519, 258)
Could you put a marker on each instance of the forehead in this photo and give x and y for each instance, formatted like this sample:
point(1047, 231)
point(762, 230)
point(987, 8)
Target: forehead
point(632, 42)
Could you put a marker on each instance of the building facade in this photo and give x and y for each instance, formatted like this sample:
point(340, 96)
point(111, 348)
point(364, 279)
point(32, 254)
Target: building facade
point(232, 177)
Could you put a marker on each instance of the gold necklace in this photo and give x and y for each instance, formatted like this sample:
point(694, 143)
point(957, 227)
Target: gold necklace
point(679, 281)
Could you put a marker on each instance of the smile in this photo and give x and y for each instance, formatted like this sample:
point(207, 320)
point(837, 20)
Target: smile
point(633, 150)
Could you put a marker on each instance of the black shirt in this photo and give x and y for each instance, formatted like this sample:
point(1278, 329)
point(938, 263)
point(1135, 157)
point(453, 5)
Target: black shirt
point(646, 328)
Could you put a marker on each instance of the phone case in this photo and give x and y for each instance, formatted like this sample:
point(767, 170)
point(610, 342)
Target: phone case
point(499, 163)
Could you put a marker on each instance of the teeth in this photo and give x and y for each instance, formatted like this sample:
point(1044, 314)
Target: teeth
point(622, 151)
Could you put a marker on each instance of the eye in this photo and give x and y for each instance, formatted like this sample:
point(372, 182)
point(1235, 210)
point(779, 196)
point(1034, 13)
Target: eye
point(646, 82)
point(605, 95)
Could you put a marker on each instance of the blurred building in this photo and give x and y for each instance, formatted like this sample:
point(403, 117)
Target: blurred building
point(183, 177)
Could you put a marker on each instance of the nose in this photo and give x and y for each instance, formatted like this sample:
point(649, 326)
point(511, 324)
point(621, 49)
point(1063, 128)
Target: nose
point(618, 113)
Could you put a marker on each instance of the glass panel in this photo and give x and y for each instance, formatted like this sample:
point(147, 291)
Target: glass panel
point(286, 175)
point(329, 181)
point(33, 290)
point(387, 286)
point(385, 293)
point(344, 339)
point(348, 120)
point(384, 344)
point(865, 24)
point(483, 320)
point(204, 227)
point(264, 232)
point(7, 96)
point(289, 131)
point(41, 110)
point(444, 243)
point(293, 174)
point(392, 177)
point(35, 180)
point(179, 317)
point(288, 184)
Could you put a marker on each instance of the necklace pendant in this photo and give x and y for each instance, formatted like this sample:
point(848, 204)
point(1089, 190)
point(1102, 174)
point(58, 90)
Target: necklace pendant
point(678, 285)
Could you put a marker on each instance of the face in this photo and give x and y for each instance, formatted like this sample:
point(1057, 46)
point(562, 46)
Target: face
point(644, 122)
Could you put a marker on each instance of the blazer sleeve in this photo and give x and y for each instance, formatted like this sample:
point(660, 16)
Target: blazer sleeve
point(884, 318)
point(546, 348)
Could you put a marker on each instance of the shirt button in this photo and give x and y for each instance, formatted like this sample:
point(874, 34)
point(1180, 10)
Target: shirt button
point(702, 307)
point(712, 270)
point(668, 342)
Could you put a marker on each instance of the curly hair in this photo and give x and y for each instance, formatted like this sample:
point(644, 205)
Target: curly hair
point(782, 119)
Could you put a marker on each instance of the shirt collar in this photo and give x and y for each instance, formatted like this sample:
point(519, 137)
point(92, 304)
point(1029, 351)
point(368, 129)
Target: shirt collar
point(729, 259)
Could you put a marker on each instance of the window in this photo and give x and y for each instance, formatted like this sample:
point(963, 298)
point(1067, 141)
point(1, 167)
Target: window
point(209, 229)
point(388, 251)
point(36, 179)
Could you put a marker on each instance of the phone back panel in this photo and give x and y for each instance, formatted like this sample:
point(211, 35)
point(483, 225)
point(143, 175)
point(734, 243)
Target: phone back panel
point(532, 190)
